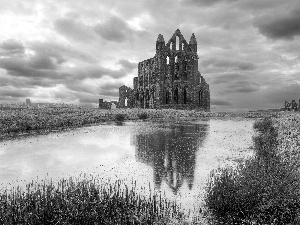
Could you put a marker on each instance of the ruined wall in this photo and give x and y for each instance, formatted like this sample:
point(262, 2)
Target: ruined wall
point(101, 104)
point(293, 106)
point(104, 104)
point(125, 97)
point(171, 78)
point(146, 85)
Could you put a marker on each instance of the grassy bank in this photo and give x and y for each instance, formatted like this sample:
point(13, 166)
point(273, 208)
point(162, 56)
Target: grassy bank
point(85, 201)
point(265, 189)
point(40, 121)
point(289, 138)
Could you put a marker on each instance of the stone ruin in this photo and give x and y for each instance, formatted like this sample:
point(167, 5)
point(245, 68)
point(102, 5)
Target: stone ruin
point(126, 97)
point(170, 79)
point(107, 105)
point(293, 106)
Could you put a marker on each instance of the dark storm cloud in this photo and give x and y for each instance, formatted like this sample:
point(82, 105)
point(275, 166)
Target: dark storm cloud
point(228, 63)
point(242, 87)
point(20, 82)
point(78, 86)
point(281, 93)
point(74, 29)
point(44, 66)
point(225, 78)
point(90, 72)
point(114, 29)
point(86, 98)
point(43, 62)
point(127, 65)
point(49, 50)
point(278, 26)
point(44, 70)
point(258, 6)
point(61, 52)
point(40, 69)
point(111, 85)
point(7, 81)
point(220, 102)
point(205, 2)
point(296, 76)
point(229, 83)
point(30, 68)
point(12, 46)
point(65, 95)
point(13, 92)
point(110, 93)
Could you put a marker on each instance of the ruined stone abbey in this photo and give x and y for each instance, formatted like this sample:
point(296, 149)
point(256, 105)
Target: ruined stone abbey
point(170, 79)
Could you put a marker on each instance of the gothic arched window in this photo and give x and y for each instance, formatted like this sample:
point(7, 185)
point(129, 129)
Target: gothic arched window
point(176, 68)
point(176, 96)
point(185, 62)
point(200, 98)
point(177, 43)
point(167, 97)
point(126, 101)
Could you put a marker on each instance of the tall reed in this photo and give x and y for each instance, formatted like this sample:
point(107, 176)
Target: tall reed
point(85, 201)
point(262, 190)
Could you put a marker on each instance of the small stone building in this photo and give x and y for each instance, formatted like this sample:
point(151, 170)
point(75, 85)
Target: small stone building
point(107, 105)
point(293, 106)
point(170, 79)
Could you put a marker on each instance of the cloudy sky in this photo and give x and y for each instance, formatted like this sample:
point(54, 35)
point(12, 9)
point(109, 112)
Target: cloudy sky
point(78, 51)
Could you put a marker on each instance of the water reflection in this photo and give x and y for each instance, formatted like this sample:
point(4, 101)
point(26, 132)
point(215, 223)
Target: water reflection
point(171, 153)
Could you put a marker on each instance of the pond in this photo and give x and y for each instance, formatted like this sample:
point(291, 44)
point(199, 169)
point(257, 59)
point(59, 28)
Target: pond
point(174, 158)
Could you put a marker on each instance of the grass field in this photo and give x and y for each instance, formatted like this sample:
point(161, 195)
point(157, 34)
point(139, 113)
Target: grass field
point(14, 124)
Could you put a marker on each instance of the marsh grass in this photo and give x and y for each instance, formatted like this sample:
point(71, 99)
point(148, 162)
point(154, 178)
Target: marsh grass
point(262, 190)
point(143, 116)
point(84, 201)
point(120, 118)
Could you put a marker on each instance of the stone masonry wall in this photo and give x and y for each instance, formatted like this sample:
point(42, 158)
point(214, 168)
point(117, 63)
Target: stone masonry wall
point(170, 79)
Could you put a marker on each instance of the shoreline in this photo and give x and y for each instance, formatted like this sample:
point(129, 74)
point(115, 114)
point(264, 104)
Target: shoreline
point(28, 122)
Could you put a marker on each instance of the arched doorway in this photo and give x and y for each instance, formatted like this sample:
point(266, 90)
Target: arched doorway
point(167, 97)
point(176, 96)
point(147, 99)
point(142, 98)
point(126, 101)
point(184, 96)
point(200, 98)
point(137, 97)
point(152, 97)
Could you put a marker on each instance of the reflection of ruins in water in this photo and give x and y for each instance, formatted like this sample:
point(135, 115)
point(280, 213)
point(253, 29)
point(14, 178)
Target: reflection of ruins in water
point(172, 153)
